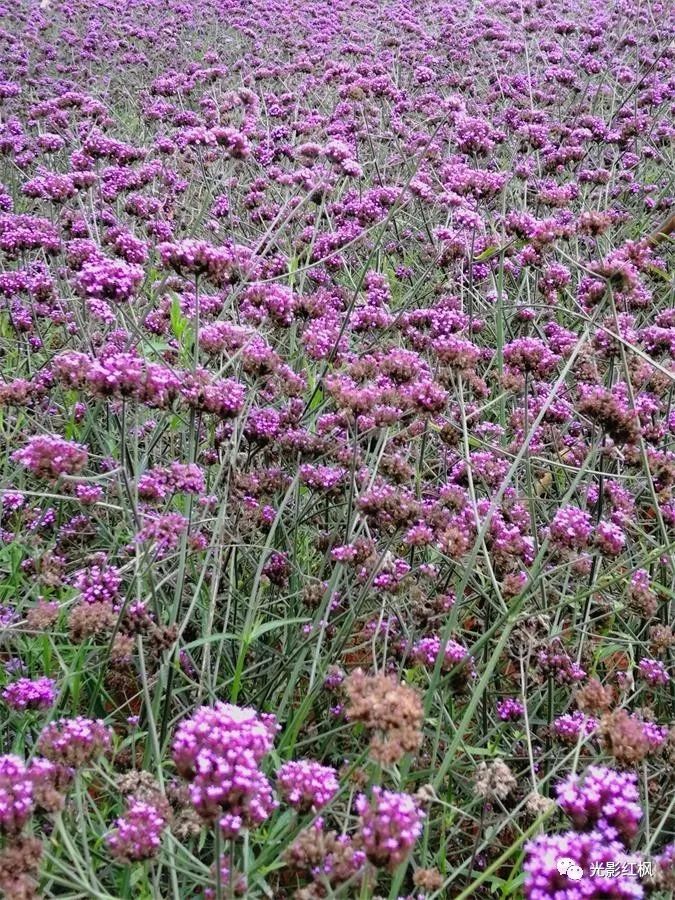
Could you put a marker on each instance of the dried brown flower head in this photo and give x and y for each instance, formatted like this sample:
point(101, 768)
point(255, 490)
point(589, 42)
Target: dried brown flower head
point(308, 850)
point(313, 847)
point(144, 786)
point(122, 650)
point(536, 804)
point(494, 780)
point(90, 620)
point(425, 795)
point(313, 594)
point(620, 424)
point(163, 637)
point(594, 223)
point(185, 821)
point(42, 616)
point(390, 709)
point(19, 866)
point(49, 569)
point(529, 636)
point(428, 879)
point(624, 737)
point(593, 697)
point(661, 637)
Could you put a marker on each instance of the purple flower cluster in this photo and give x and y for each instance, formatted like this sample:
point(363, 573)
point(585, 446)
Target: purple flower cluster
point(653, 671)
point(306, 784)
point(16, 794)
point(389, 825)
point(157, 483)
point(99, 582)
point(138, 833)
point(25, 693)
point(219, 750)
point(118, 375)
point(590, 854)
point(554, 661)
point(571, 528)
point(163, 532)
point(427, 650)
point(49, 456)
point(510, 709)
point(571, 726)
point(24, 232)
point(109, 279)
point(605, 814)
point(220, 265)
point(605, 800)
point(74, 742)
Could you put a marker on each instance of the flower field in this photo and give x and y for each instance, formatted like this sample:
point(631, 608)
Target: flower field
point(337, 432)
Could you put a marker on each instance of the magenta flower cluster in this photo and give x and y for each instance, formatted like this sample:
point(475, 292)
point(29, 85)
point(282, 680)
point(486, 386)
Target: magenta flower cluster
point(138, 833)
point(25, 693)
point(74, 742)
point(16, 794)
point(389, 825)
point(49, 456)
point(604, 800)
point(27, 788)
point(605, 813)
point(653, 671)
point(510, 709)
point(219, 751)
point(592, 856)
point(427, 650)
point(306, 784)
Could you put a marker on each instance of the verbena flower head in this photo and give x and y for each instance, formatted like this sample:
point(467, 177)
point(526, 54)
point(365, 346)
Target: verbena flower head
point(629, 738)
point(589, 853)
point(653, 672)
point(23, 232)
point(49, 456)
point(494, 780)
point(393, 711)
point(16, 794)
point(221, 265)
point(427, 650)
point(109, 279)
point(219, 750)
point(99, 582)
point(389, 825)
point(557, 663)
point(571, 726)
point(218, 729)
point(306, 784)
point(25, 693)
point(571, 528)
point(228, 880)
point(138, 833)
point(50, 781)
point(605, 800)
point(510, 709)
point(74, 742)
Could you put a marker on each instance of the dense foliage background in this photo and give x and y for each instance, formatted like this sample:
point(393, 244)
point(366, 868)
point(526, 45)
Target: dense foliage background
point(338, 513)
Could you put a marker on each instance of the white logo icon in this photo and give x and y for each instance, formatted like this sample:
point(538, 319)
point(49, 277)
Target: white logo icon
point(567, 866)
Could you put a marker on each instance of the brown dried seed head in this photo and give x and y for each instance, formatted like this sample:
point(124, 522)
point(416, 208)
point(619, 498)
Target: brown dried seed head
point(391, 709)
point(494, 780)
point(428, 879)
point(624, 737)
point(593, 697)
